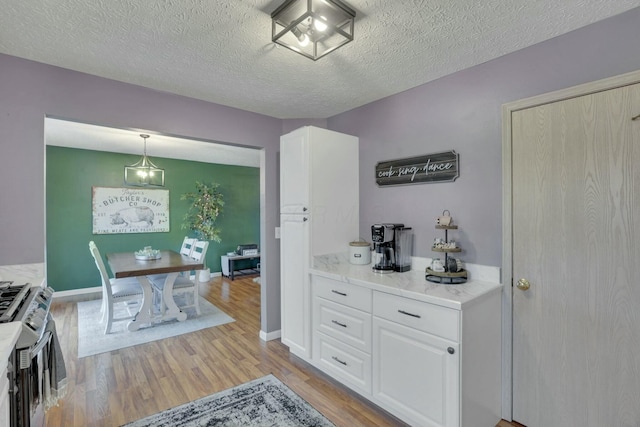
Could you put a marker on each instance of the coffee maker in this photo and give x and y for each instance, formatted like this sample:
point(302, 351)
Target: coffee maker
point(391, 244)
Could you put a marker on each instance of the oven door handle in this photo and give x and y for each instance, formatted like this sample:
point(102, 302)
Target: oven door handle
point(43, 341)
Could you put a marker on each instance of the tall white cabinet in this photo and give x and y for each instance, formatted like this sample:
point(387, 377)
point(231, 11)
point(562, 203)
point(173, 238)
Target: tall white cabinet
point(319, 214)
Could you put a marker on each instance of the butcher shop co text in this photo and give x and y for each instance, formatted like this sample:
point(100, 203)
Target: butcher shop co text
point(119, 210)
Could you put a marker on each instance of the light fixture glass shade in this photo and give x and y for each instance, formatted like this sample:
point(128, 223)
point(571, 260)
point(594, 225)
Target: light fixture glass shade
point(313, 28)
point(144, 173)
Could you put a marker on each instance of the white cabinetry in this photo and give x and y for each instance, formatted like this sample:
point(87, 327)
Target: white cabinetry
point(9, 333)
point(319, 215)
point(428, 364)
point(416, 372)
point(294, 291)
point(342, 332)
point(4, 398)
point(294, 173)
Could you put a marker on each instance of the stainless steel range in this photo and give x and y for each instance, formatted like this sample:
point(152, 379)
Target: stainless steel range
point(31, 360)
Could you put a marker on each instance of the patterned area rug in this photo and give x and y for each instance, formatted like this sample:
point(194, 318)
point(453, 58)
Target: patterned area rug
point(92, 340)
point(262, 402)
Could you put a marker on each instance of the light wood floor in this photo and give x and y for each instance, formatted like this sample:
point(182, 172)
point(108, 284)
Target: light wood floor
point(115, 388)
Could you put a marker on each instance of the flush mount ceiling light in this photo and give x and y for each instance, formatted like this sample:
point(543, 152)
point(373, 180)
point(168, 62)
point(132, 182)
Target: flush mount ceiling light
point(313, 28)
point(144, 173)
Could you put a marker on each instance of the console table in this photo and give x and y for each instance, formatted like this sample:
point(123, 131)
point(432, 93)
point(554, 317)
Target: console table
point(229, 265)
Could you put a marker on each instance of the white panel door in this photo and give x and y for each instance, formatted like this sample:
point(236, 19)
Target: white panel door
point(294, 172)
point(294, 287)
point(576, 240)
point(416, 374)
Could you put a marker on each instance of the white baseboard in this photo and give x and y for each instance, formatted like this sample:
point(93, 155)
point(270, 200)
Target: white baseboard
point(75, 292)
point(213, 274)
point(269, 336)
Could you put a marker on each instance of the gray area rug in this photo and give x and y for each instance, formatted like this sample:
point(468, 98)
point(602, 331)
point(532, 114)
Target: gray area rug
point(92, 340)
point(262, 402)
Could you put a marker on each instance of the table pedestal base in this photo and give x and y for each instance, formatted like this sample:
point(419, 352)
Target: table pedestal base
point(150, 314)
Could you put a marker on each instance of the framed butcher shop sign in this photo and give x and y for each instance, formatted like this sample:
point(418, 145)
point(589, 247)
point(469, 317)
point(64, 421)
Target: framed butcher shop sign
point(130, 210)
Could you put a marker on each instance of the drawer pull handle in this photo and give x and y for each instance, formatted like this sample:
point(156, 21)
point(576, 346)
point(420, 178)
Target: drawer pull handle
point(409, 314)
point(339, 361)
point(338, 292)
point(339, 324)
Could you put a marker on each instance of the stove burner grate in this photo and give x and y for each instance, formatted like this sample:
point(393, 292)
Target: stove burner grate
point(11, 298)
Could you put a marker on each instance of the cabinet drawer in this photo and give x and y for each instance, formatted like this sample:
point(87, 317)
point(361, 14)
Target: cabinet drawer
point(344, 363)
point(343, 293)
point(343, 323)
point(434, 319)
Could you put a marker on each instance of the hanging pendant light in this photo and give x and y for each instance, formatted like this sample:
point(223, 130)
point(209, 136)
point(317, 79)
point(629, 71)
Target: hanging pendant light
point(144, 173)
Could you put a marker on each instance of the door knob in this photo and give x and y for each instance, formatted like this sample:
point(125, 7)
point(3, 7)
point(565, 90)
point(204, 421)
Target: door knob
point(523, 284)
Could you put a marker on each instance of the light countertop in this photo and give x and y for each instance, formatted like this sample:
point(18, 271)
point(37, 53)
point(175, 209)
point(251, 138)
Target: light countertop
point(24, 273)
point(412, 284)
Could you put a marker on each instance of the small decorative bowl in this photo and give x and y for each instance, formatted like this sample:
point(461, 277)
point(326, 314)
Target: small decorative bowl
point(147, 254)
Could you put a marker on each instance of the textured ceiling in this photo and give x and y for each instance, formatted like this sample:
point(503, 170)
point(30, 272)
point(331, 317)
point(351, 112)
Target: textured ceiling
point(221, 51)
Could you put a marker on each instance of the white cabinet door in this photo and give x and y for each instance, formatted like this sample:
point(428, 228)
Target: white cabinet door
point(294, 172)
point(319, 175)
point(4, 399)
point(416, 375)
point(335, 190)
point(294, 286)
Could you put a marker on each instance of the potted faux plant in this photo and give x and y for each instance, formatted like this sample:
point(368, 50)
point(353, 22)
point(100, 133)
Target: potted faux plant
point(206, 205)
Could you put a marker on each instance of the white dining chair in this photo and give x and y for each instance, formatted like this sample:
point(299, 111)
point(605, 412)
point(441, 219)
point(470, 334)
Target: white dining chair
point(114, 291)
point(187, 246)
point(183, 284)
point(185, 249)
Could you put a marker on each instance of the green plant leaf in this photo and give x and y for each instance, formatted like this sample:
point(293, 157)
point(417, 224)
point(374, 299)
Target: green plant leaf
point(207, 204)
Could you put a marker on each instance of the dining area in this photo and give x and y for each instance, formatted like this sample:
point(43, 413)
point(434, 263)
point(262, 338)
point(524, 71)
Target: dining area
point(147, 282)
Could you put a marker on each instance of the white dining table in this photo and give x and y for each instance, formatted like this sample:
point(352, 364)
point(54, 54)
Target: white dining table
point(171, 263)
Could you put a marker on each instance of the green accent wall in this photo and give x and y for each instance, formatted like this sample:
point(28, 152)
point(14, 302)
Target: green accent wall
point(70, 175)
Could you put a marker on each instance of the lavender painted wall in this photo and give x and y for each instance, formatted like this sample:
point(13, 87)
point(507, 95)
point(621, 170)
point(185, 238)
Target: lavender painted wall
point(29, 91)
point(462, 112)
point(289, 125)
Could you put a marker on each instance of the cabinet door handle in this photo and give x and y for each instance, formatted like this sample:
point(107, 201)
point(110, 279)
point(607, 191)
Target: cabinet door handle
point(339, 324)
point(304, 209)
point(338, 292)
point(305, 219)
point(409, 314)
point(339, 361)
point(451, 350)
